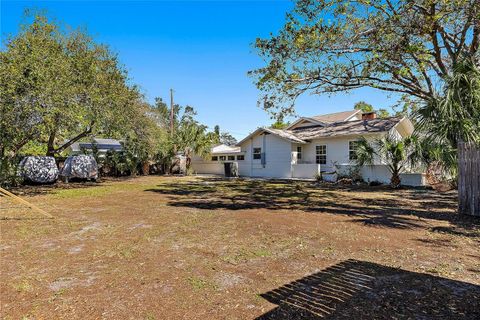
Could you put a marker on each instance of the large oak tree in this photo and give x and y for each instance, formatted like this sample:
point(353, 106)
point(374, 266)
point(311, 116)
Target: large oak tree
point(408, 47)
point(58, 87)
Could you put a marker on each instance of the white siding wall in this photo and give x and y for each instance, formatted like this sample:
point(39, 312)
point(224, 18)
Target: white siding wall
point(338, 152)
point(277, 154)
point(305, 171)
point(207, 166)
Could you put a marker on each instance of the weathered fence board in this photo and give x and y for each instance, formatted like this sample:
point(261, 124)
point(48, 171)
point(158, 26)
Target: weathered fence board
point(468, 179)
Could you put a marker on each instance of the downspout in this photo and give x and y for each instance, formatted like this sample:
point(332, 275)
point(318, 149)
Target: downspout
point(291, 159)
point(264, 160)
point(251, 157)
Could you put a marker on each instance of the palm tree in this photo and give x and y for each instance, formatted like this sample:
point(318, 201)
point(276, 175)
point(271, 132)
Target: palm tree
point(397, 154)
point(453, 117)
point(193, 138)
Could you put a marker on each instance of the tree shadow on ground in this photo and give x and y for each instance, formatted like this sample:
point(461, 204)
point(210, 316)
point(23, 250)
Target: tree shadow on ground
point(45, 189)
point(403, 209)
point(356, 289)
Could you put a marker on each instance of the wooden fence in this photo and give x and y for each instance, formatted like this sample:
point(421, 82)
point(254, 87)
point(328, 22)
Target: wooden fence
point(468, 179)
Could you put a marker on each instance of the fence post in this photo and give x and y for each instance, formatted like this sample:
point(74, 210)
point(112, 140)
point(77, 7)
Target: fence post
point(468, 179)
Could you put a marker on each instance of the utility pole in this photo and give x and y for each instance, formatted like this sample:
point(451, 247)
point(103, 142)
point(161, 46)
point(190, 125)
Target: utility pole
point(171, 112)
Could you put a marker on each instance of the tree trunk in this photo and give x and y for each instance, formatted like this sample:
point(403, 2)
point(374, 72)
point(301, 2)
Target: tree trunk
point(395, 180)
point(51, 144)
point(146, 168)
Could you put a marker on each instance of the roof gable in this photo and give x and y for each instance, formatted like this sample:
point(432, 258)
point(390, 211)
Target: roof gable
point(283, 134)
point(325, 119)
point(337, 116)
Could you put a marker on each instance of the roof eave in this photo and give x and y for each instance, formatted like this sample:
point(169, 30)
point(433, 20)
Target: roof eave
point(271, 132)
point(307, 119)
point(353, 114)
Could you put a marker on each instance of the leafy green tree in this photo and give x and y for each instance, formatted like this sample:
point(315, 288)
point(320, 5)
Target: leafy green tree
point(383, 113)
point(143, 139)
point(397, 154)
point(362, 105)
point(190, 137)
point(280, 123)
point(216, 130)
point(227, 139)
point(223, 137)
point(366, 107)
point(404, 47)
point(60, 87)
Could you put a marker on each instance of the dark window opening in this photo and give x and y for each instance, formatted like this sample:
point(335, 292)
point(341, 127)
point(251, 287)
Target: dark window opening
point(321, 154)
point(257, 153)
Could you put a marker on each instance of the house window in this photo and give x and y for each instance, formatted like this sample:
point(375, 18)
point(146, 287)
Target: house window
point(299, 153)
point(231, 158)
point(214, 158)
point(241, 157)
point(321, 154)
point(223, 158)
point(257, 153)
point(352, 150)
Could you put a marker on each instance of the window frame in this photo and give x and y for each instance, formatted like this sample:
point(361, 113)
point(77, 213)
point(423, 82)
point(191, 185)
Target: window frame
point(242, 157)
point(230, 158)
point(299, 152)
point(214, 158)
point(321, 158)
point(257, 153)
point(222, 158)
point(352, 152)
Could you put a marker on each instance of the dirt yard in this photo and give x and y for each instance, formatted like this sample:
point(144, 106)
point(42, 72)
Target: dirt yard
point(205, 248)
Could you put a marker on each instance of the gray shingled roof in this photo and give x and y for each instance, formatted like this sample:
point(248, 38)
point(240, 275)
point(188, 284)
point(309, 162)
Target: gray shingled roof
point(345, 128)
point(286, 134)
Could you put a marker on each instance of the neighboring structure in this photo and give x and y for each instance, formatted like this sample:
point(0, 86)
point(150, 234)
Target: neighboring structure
point(310, 145)
point(102, 145)
point(219, 155)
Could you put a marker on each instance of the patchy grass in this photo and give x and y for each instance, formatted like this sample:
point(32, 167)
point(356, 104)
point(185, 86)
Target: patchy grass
point(198, 283)
point(23, 286)
point(206, 248)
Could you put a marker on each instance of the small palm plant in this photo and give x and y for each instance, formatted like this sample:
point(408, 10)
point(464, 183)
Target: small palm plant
point(397, 154)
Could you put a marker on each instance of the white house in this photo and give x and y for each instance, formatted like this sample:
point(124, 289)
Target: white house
point(311, 145)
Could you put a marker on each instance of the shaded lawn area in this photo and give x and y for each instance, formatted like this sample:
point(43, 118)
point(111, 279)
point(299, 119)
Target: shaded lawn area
point(207, 248)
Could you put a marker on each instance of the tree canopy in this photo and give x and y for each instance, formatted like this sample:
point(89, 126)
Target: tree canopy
point(408, 47)
point(280, 122)
point(60, 86)
point(189, 136)
point(362, 105)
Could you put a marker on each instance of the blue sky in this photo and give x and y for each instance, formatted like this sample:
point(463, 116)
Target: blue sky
point(201, 49)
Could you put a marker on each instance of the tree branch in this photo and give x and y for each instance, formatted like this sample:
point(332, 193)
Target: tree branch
point(476, 37)
point(75, 139)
